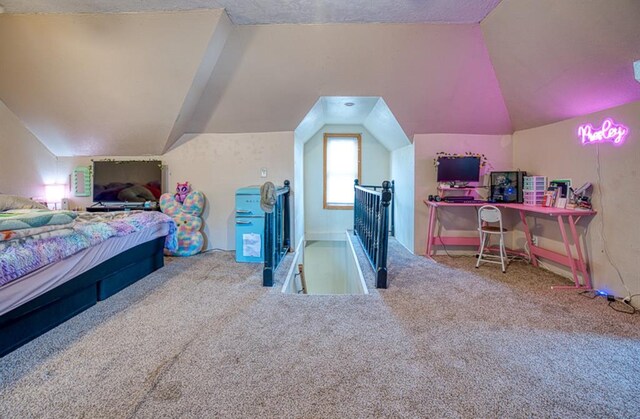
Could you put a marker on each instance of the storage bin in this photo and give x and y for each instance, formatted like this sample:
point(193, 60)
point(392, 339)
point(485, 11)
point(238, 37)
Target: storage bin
point(534, 188)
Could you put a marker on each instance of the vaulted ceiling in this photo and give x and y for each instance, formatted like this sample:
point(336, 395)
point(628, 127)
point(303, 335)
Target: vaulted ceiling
point(134, 83)
point(560, 59)
point(105, 84)
point(244, 12)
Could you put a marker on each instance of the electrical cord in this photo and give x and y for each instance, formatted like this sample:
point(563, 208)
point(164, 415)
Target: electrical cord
point(527, 250)
point(444, 247)
point(590, 294)
point(628, 308)
point(442, 243)
point(617, 304)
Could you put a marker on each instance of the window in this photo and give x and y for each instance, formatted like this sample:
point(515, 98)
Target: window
point(341, 167)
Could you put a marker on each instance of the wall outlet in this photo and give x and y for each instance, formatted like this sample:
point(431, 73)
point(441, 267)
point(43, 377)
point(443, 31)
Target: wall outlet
point(534, 240)
point(263, 172)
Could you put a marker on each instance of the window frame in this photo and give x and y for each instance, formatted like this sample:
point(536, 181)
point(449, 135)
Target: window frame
point(328, 136)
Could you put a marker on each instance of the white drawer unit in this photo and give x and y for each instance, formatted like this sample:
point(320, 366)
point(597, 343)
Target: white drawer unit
point(533, 188)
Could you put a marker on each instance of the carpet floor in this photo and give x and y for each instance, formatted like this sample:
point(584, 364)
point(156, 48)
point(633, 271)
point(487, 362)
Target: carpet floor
point(202, 338)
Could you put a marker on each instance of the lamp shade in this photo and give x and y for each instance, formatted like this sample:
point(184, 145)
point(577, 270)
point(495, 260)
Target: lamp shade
point(54, 193)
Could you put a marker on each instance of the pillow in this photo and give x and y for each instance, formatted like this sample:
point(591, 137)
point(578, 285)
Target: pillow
point(10, 202)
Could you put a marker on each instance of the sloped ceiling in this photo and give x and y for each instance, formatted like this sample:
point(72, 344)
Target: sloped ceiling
point(133, 84)
point(561, 59)
point(435, 78)
point(282, 11)
point(102, 84)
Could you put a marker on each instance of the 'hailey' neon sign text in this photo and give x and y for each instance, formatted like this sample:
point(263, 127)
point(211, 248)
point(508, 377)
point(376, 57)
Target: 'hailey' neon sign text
point(608, 132)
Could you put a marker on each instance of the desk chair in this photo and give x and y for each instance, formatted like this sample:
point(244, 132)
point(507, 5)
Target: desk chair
point(488, 217)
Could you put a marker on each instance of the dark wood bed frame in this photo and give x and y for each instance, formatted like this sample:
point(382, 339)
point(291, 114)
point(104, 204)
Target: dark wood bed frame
point(56, 306)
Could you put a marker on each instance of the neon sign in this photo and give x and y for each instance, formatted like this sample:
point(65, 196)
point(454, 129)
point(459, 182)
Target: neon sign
point(608, 132)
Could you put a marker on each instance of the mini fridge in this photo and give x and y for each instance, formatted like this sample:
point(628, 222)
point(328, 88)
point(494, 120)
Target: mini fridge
point(249, 219)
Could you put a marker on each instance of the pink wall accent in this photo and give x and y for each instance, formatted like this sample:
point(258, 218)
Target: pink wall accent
point(555, 152)
point(560, 59)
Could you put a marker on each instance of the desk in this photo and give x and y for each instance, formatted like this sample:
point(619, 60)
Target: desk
point(577, 265)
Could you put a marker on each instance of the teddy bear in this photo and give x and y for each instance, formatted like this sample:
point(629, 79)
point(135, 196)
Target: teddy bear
point(186, 215)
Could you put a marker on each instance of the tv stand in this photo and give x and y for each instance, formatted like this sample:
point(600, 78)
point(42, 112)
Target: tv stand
point(124, 207)
point(105, 208)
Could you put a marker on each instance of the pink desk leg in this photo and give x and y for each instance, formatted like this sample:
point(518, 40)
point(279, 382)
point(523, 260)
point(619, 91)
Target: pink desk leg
point(527, 234)
point(567, 247)
point(582, 264)
point(430, 228)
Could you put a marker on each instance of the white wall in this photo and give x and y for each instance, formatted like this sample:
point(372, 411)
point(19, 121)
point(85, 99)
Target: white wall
point(403, 173)
point(555, 151)
point(25, 164)
point(298, 191)
point(320, 222)
point(498, 150)
point(218, 164)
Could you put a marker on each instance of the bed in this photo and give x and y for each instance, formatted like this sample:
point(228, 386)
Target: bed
point(52, 275)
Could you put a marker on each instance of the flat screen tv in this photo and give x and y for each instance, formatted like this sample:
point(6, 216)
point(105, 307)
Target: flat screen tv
point(458, 169)
point(127, 181)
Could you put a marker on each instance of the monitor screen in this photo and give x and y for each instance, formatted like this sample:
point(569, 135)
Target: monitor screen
point(127, 181)
point(459, 169)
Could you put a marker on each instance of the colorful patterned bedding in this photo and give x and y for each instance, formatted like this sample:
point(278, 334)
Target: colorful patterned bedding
point(28, 232)
point(23, 255)
point(32, 218)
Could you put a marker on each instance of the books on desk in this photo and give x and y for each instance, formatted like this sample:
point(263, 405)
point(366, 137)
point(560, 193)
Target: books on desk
point(557, 194)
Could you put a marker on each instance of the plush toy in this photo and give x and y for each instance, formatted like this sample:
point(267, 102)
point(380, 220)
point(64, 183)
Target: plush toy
point(187, 218)
point(182, 190)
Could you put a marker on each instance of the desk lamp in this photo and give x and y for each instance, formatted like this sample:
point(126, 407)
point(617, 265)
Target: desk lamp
point(54, 194)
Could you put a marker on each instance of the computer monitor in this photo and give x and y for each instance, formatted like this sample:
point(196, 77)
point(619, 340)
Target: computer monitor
point(458, 169)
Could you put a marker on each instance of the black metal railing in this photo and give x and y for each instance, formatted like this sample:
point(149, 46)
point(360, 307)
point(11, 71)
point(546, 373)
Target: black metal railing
point(371, 225)
point(392, 220)
point(277, 236)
